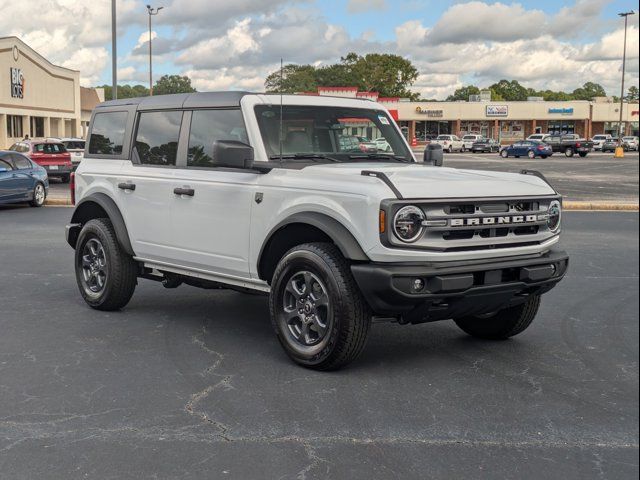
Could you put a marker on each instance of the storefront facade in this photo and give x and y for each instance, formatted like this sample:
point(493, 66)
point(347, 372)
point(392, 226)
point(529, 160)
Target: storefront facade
point(37, 98)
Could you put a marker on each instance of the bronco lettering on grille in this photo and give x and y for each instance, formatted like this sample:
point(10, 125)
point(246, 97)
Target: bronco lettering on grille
point(502, 220)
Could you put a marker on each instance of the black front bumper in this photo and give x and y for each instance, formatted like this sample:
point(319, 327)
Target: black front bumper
point(456, 290)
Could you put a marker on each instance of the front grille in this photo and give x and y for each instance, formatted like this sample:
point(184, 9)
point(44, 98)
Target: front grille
point(466, 225)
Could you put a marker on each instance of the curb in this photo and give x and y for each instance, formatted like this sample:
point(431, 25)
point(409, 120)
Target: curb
point(54, 202)
point(622, 207)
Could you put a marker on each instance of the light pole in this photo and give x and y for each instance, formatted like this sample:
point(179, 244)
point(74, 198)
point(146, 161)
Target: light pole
point(624, 60)
point(152, 12)
point(114, 53)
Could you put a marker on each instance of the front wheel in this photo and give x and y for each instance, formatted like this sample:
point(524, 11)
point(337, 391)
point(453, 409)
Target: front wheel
point(106, 275)
point(504, 324)
point(317, 311)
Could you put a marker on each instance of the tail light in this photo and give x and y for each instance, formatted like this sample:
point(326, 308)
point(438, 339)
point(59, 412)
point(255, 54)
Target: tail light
point(578, 145)
point(541, 147)
point(72, 187)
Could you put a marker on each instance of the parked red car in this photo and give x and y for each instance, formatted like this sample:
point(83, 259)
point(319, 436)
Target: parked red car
point(50, 155)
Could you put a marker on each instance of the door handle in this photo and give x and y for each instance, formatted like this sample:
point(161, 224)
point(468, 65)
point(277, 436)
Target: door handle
point(127, 186)
point(190, 192)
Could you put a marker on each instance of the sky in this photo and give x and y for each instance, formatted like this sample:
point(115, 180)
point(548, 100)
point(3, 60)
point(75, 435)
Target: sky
point(235, 44)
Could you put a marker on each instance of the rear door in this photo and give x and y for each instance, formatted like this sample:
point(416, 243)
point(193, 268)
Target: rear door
point(7, 179)
point(144, 186)
point(24, 180)
point(212, 223)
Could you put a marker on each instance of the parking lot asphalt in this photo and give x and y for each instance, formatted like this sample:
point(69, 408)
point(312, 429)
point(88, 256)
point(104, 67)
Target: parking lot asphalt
point(596, 178)
point(190, 383)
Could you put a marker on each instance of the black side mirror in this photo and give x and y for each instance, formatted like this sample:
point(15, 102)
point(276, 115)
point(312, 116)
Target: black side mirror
point(433, 155)
point(232, 154)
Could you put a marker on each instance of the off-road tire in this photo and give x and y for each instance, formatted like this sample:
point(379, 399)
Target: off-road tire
point(504, 324)
point(350, 320)
point(121, 277)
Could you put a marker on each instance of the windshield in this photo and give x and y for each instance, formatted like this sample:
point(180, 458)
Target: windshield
point(335, 132)
point(600, 137)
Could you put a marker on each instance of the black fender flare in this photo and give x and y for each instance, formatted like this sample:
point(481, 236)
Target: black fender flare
point(336, 231)
point(113, 212)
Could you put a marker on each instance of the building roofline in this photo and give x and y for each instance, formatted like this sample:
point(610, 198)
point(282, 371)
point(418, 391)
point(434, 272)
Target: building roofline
point(35, 53)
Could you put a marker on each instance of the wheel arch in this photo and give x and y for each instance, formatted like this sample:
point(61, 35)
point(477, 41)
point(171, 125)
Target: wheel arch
point(302, 228)
point(99, 205)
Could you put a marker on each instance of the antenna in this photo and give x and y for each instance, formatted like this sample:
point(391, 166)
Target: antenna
point(281, 109)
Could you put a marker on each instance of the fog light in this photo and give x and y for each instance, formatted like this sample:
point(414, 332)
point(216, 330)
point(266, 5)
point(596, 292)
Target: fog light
point(554, 269)
point(418, 284)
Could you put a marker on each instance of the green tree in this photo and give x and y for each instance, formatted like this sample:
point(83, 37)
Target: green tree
point(292, 79)
point(463, 93)
point(390, 75)
point(510, 90)
point(588, 91)
point(168, 84)
point(632, 94)
point(126, 91)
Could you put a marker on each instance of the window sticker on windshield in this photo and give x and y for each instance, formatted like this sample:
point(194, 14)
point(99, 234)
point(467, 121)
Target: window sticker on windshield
point(383, 120)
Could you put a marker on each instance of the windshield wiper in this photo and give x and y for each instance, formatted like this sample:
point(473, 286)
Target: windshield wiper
point(303, 156)
point(372, 156)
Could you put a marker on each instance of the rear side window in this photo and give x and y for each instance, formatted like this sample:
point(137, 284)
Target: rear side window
point(157, 137)
point(74, 145)
point(207, 126)
point(21, 163)
point(107, 133)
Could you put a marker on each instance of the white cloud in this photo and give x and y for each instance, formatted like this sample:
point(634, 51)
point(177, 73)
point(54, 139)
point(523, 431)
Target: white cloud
point(362, 6)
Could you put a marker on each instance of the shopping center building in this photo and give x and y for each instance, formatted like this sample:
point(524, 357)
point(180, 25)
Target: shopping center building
point(504, 121)
point(37, 98)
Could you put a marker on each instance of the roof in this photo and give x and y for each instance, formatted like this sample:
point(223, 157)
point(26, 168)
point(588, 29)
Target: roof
point(88, 98)
point(24, 46)
point(182, 100)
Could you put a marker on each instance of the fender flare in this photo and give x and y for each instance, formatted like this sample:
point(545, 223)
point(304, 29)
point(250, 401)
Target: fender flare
point(336, 231)
point(112, 211)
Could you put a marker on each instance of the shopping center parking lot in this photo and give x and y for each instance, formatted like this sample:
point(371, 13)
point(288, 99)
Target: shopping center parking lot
point(596, 178)
point(190, 383)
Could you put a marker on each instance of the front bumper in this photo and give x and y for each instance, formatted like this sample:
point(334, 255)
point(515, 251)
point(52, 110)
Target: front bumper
point(457, 289)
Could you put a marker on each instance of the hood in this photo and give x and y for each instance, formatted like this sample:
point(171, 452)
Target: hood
point(420, 181)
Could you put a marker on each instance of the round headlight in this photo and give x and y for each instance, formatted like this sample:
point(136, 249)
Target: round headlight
point(407, 224)
point(554, 216)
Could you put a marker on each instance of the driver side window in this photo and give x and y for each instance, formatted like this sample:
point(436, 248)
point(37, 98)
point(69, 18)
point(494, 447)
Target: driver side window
point(207, 126)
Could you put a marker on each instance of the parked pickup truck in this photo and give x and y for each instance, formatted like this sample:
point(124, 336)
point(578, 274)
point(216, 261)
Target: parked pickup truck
point(569, 144)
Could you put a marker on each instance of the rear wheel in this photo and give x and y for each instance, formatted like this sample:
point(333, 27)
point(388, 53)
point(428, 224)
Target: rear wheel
point(583, 154)
point(105, 273)
point(317, 311)
point(39, 195)
point(531, 154)
point(65, 178)
point(568, 152)
point(450, 149)
point(504, 324)
point(504, 153)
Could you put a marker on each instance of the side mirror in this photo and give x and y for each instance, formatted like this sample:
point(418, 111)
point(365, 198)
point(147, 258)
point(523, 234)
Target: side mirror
point(232, 154)
point(433, 155)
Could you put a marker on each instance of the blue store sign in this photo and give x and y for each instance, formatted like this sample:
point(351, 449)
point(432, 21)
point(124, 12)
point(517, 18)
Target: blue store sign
point(562, 111)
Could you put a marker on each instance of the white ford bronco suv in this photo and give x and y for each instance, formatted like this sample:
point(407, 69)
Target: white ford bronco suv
point(267, 193)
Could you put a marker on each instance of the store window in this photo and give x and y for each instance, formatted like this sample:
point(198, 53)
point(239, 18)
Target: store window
point(37, 127)
point(476, 128)
point(14, 126)
point(511, 131)
point(559, 127)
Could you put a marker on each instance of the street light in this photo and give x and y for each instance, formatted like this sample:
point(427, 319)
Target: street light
point(114, 53)
point(152, 12)
point(624, 60)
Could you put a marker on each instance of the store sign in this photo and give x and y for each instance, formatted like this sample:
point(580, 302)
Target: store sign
point(497, 110)
point(562, 111)
point(430, 113)
point(17, 83)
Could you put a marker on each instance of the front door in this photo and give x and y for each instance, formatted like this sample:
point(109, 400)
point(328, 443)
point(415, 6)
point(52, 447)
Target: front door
point(212, 220)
